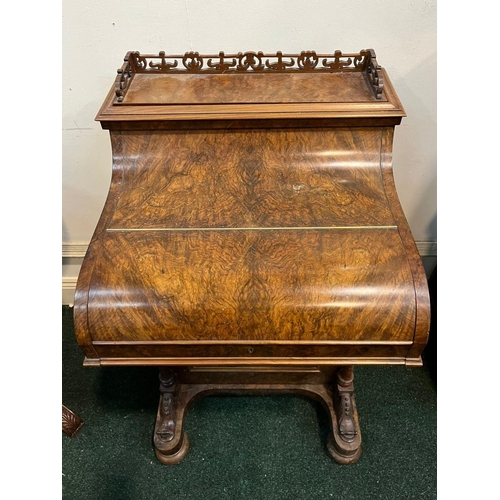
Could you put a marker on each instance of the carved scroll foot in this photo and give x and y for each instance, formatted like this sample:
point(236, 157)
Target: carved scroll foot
point(344, 442)
point(170, 441)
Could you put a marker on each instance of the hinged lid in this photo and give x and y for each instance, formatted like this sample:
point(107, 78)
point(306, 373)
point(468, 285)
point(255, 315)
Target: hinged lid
point(250, 85)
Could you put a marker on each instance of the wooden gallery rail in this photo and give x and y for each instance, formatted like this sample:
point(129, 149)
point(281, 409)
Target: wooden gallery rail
point(252, 240)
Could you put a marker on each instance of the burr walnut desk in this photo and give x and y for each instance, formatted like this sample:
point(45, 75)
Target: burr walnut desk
point(252, 240)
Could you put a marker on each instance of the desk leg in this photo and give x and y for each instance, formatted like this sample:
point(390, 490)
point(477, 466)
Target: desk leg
point(344, 442)
point(171, 442)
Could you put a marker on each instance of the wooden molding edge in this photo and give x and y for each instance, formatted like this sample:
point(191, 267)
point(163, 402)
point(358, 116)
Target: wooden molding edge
point(414, 361)
point(331, 361)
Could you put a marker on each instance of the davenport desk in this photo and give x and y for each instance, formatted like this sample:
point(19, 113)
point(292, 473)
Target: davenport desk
point(252, 240)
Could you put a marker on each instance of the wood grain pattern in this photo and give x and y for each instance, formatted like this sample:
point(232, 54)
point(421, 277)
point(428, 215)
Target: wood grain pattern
point(240, 277)
point(252, 178)
point(80, 315)
point(422, 300)
point(253, 285)
point(248, 88)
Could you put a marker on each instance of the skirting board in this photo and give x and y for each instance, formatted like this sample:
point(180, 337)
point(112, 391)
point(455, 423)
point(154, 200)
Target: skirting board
point(77, 251)
point(68, 291)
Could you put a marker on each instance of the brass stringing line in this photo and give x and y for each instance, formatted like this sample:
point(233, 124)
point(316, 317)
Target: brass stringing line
point(246, 228)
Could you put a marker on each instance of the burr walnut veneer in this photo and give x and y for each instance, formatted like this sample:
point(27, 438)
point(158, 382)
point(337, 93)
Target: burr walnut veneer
point(252, 239)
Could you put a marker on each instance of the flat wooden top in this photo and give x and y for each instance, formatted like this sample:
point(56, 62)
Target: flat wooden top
point(249, 88)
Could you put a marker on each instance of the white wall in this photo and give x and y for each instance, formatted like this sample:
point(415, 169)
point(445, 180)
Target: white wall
point(97, 34)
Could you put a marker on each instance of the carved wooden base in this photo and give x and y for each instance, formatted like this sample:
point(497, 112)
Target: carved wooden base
point(333, 387)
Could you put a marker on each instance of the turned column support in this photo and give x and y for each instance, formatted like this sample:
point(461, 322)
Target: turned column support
point(344, 404)
point(166, 429)
point(345, 376)
point(344, 443)
point(171, 443)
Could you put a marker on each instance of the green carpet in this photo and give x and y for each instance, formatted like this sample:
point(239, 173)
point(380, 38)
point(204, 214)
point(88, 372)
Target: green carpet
point(271, 447)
